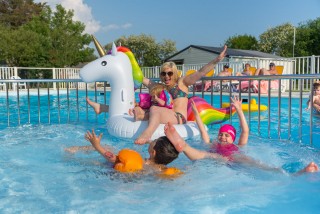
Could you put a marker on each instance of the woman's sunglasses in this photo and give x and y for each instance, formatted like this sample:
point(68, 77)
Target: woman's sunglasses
point(170, 73)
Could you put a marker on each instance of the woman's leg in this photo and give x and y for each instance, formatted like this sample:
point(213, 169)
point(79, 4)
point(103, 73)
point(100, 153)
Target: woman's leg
point(157, 115)
point(97, 107)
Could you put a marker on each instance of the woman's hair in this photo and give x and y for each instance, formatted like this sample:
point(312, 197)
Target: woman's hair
point(174, 68)
point(156, 90)
point(165, 151)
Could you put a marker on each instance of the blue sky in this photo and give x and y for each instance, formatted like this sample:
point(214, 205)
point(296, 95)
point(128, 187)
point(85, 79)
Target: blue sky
point(202, 22)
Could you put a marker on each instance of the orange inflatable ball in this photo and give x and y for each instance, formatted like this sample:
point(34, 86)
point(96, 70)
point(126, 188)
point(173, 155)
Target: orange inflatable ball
point(128, 161)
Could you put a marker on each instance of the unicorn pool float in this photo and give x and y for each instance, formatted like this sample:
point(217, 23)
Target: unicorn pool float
point(120, 68)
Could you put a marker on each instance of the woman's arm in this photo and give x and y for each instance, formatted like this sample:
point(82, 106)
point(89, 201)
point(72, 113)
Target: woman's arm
point(95, 142)
point(204, 134)
point(148, 83)
point(243, 140)
point(192, 78)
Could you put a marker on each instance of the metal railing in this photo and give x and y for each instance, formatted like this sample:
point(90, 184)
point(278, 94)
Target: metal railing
point(63, 104)
point(297, 65)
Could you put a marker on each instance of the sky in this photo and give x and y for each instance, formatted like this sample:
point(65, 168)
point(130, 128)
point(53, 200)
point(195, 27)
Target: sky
point(187, 22)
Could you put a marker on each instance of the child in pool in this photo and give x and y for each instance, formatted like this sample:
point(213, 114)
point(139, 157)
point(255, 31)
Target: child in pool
point(316, 98)
point(225, 147)
point(161, 151)
point(158, 95)
point(227, 133)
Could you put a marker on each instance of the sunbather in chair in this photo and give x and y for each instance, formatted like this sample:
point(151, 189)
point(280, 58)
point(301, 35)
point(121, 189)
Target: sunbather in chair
point(264, 84)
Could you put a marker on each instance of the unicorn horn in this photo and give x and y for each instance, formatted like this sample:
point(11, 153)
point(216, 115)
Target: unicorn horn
point(98, 46)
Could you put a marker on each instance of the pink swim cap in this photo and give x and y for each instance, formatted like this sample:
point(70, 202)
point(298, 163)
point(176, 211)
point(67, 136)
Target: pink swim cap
point(229, 129)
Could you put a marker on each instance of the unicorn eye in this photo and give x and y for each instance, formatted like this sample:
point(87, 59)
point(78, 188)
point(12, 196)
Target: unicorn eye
point(104, 63)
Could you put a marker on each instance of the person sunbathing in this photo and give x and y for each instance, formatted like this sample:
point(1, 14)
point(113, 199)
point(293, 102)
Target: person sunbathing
point(272, 70)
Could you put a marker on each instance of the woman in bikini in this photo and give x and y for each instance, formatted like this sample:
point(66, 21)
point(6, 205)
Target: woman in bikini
point(177, 87)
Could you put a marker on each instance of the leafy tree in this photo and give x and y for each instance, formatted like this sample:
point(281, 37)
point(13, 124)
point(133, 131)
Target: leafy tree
point(14, 13)
point(67, 41)
point(277, 40)
point(47, 40)
point(308, 38)
point(146, 50)
point(244, 42)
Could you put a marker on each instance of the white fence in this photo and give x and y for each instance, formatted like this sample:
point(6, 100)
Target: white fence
point(297, 65)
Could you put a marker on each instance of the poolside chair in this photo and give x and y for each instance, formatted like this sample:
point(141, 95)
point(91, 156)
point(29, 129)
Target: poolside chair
point(201, 85)
point(225, 86)
point(264, 85)
point(19, 84)
point(3, 86)
point(252, 70)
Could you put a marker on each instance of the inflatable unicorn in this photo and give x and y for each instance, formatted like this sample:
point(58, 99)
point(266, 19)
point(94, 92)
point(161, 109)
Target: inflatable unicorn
point(122, 71)
point(117, 69)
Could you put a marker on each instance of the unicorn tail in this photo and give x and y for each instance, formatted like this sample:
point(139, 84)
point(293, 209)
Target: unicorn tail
point(208, 114)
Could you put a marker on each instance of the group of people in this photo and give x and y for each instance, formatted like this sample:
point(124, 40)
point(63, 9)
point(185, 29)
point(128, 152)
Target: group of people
point(260, 71)
point(171, 108)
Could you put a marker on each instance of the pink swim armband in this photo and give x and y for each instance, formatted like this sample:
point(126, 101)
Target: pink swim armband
point(145, 100)
point(166, 96)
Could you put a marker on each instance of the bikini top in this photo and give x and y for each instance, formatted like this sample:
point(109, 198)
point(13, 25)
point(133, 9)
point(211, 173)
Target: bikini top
point(176, 92)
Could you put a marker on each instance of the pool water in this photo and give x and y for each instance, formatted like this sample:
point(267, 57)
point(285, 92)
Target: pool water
point(38, 176)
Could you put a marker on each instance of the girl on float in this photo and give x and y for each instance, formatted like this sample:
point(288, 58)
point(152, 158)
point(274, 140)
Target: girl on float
point(158, 96)
point(224, 148)
point(178, 88)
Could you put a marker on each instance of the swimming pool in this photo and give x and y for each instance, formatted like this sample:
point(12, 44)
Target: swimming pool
point(37, 175)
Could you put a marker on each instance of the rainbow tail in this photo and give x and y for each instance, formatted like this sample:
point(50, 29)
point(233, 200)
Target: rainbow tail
point(209, 115)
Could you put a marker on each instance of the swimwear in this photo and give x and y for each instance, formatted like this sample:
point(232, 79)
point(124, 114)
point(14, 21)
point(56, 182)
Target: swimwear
point(225, 150)
point(176, 92)
point(180, 116)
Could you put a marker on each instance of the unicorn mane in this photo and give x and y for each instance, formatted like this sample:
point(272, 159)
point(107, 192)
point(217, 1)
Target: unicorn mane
point(136, 70)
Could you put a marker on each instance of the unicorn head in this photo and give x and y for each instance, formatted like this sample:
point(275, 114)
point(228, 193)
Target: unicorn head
point(98, 76)
point(116, 69)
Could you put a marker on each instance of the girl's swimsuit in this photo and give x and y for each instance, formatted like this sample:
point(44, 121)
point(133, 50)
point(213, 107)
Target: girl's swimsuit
point(176, 92)
point(225, 150)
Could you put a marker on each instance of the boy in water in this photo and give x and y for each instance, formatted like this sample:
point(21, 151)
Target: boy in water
point(225, 147)
point(161, 151)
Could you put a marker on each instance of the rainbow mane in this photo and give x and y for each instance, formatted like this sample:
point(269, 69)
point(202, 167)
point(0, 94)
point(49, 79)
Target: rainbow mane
point(209, 115)
point(136, 71)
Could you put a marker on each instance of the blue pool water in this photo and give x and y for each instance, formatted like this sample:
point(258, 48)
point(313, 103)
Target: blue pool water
point(38, 176)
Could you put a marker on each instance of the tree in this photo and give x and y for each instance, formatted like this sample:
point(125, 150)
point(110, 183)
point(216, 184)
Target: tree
point(277, 40)
point(67, 40)
point(146, 50)
point(47, 40)
point(244, 42)
point(14, 13)
point(308, 38)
